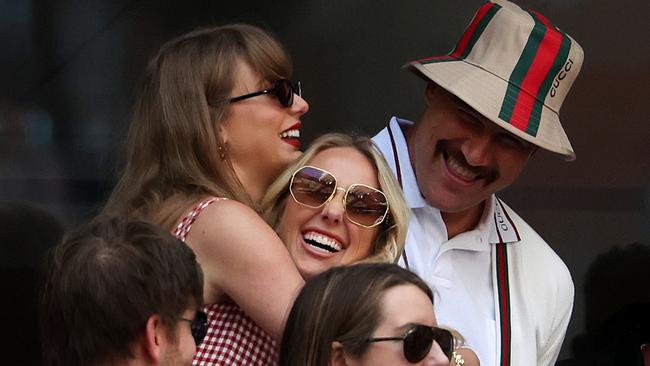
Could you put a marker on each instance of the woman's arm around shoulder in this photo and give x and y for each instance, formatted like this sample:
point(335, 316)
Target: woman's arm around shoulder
point(243, 257)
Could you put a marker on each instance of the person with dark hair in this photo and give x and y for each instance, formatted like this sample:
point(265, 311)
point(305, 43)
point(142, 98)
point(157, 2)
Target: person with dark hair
point(367, 314)
point(489, 105)
point(121, 292)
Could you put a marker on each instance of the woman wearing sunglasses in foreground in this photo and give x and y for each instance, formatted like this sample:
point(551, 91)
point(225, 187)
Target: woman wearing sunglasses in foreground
point(215, 122)
point(338, 204)
point(366, 314)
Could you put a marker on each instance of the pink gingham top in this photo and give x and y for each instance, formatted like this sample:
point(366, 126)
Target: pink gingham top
point(233, 338)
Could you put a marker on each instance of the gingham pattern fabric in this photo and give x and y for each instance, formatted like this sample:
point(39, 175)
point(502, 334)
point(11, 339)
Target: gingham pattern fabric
point(184, 227)
point(232, 338)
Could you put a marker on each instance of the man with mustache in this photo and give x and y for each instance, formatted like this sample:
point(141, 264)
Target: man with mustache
point(489, 105)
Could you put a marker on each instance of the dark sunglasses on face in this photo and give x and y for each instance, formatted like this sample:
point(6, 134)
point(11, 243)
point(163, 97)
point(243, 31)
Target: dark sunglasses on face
point(198, 326)
point(314, 187)
point(283, 89)
point(418, 341)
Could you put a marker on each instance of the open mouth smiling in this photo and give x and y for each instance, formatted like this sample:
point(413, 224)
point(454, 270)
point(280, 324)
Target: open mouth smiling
point(462, 171)
point(292, 135)
point(322, 242)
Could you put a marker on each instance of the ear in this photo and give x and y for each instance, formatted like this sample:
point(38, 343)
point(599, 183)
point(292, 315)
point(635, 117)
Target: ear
point(338, 356)
point(429, 92)
point(153, 339)
point(223, 133)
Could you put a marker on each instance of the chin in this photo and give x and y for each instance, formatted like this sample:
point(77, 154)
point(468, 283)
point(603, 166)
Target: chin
point(309, 273)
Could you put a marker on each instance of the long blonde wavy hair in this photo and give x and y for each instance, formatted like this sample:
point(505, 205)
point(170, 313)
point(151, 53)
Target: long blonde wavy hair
point(389, 243)
point(174, 152)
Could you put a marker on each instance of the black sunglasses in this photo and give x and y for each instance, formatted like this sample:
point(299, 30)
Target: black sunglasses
point(199, 326)
point(418, 341)
point(283, 89)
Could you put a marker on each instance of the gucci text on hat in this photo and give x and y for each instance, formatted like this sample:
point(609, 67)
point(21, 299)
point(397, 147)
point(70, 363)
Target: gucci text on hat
point(515, 68)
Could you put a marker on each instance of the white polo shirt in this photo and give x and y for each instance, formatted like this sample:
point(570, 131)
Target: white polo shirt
point(460, 271)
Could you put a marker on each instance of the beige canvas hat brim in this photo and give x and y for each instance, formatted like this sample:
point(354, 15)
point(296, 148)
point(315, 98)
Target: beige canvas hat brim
point(485, 92)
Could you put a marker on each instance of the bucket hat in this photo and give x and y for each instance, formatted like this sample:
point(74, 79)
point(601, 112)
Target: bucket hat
point(515, 68)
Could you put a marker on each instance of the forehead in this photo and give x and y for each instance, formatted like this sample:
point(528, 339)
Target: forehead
point(246, 79)
point(347, 164)
point(403, 305)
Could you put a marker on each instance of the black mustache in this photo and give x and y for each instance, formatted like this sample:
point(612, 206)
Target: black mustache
point(445, 149)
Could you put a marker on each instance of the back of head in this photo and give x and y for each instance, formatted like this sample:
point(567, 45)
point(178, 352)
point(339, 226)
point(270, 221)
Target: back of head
point(103, 283)
point(344, 304)
point(173, 143)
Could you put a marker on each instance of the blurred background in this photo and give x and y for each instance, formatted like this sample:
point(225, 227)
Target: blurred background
point(68, 71)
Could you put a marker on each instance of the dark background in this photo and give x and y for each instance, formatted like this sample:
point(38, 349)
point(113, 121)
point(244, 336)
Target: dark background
point(68, 71)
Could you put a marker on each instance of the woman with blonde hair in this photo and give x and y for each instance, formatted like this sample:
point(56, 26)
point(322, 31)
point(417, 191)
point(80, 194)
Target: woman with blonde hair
point(338, 204)
point(215, 122)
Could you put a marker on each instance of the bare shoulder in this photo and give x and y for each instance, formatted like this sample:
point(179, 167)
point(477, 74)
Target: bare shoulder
point(243, 257)
point(228, 221)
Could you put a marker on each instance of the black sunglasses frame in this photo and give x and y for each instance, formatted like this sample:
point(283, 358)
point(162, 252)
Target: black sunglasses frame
point(285, 97)
point(433, 334)
point(198, 326)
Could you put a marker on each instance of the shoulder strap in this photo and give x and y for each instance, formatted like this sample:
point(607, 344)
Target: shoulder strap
point(185, 225)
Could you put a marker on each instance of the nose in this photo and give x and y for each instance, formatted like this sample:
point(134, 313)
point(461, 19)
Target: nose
point(333, 210)
point(300, 105)
point(477, 149)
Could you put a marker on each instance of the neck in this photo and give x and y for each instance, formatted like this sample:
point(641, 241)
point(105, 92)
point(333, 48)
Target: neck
point(460, 222)
point(254, 185)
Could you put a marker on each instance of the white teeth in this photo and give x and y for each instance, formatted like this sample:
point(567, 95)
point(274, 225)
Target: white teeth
point(290, 134)
point(460, 170)
point(322, 241)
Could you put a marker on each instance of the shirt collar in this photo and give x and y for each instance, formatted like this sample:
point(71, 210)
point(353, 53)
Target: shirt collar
point(494, 227)
point(477, 239)
point(503, 228)
point(402, 167)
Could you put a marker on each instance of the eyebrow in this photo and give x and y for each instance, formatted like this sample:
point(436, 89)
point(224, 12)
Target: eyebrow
point(405, 327)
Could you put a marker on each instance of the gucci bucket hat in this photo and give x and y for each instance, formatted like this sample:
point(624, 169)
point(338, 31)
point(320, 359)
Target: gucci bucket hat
point(513, 67)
